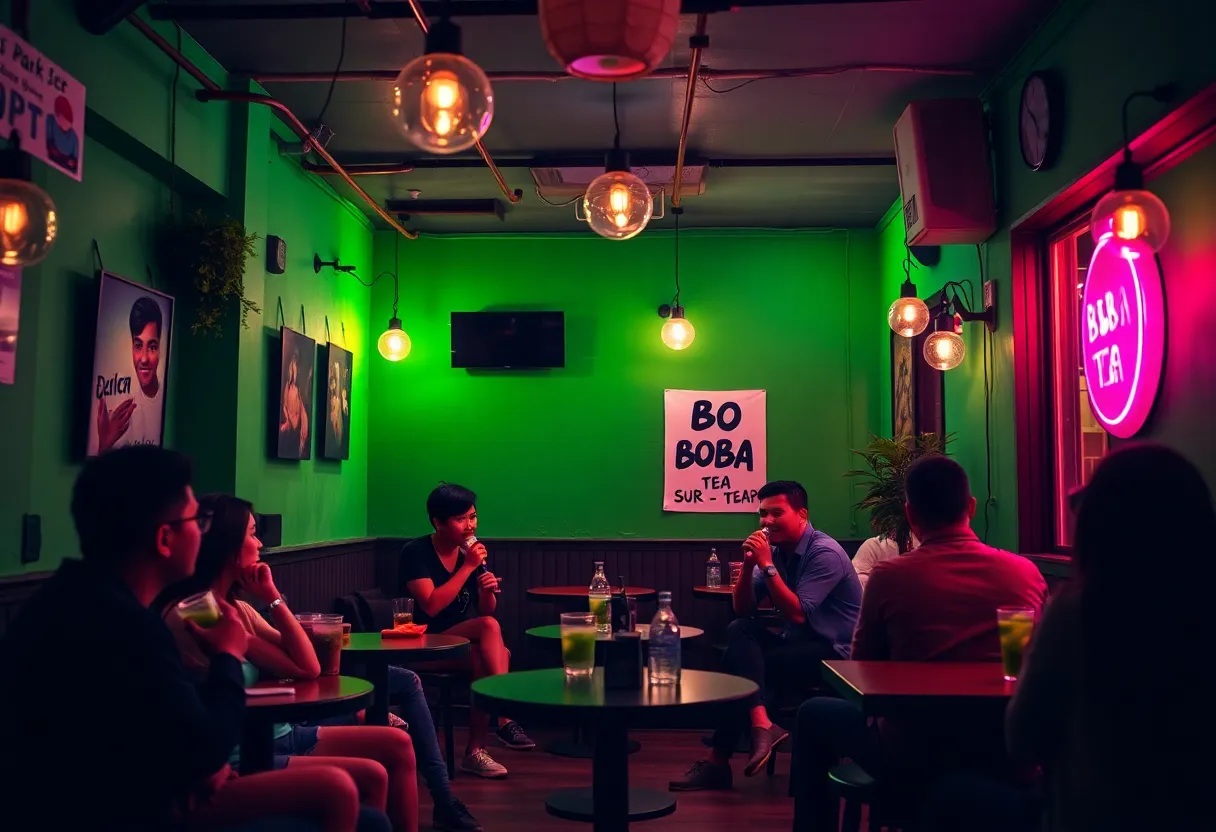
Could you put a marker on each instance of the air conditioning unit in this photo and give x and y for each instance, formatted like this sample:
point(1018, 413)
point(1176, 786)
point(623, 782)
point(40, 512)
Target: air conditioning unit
point(945, 172)
point(566, 183)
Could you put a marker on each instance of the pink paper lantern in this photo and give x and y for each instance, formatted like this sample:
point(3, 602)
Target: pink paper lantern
point(609, 40)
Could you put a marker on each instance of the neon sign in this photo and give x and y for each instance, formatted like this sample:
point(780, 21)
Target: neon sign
point(1122, 333)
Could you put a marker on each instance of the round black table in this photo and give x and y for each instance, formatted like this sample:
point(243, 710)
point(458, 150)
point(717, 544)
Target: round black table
point(550, 695)
point(569, 593)
point(581, 745)
point(321, 698)
point(379, 652)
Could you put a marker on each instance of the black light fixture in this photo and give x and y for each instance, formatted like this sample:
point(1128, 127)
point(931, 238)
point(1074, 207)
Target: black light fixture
point(318, 264)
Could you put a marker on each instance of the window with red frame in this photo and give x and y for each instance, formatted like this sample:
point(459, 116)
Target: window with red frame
point(1079, 442)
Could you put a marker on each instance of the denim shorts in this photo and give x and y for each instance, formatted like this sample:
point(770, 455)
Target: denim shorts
point(301, 741)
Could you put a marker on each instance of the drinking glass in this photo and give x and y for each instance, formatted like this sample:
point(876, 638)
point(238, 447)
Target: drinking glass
point(736, 571)
point(403, 611)
point(346, 634)
point(1015, 625)
point(578, 643)
point(200, 608)
point(325, 633)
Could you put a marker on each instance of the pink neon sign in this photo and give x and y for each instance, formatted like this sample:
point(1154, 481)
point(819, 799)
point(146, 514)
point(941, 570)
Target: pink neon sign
point(1122, 333)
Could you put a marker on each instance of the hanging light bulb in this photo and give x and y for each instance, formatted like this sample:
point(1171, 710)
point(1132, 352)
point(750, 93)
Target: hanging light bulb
point(1129, 211)
point(28, 223)
point(394, 344)
point(443, 100)
point(909, 315)
point(617, 203)
point(944, 349)
point(678, 331)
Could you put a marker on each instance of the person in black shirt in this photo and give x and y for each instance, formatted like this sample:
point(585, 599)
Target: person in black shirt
point(453, 593)
point(100, 725)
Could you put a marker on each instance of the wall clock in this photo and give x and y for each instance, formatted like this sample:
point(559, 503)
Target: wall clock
point(276, 254)
point(1039, 121)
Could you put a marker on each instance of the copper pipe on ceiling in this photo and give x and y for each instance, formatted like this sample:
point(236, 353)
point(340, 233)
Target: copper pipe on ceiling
point(302, 131)
point(698, 40)
point(211, 92)
point(513, 197)
point(665, 74)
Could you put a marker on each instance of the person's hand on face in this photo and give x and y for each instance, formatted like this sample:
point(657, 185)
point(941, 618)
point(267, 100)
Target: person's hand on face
point(258, 582)
point(224, 636)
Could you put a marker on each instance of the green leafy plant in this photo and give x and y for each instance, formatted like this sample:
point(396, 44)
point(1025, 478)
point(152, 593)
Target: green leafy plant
point(887, 462)
point(210, 256)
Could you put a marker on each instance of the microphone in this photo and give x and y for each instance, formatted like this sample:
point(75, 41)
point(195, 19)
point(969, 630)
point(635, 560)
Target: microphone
point(464, 549)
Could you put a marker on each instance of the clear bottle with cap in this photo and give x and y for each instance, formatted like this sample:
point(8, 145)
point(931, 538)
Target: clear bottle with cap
point(713, 570)
point(664, 647)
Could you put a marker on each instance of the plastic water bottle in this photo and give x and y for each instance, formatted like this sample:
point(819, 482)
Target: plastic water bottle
point(713, 570)
point(599, 598)
point(664, 644)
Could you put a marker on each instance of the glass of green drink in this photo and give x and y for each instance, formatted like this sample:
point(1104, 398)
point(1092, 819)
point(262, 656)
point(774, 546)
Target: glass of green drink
point(578, 643)
point(1014, 625)
point(200, 608)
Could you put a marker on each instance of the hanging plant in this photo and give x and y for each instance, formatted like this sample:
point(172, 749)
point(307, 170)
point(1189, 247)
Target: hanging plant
point(887, 463)
point(210, 256)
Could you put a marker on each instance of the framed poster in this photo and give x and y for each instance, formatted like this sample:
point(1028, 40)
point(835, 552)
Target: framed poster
point(130, 365)
point(918, 391)
point(294, 413)
point(903, 382)
point(335, 439)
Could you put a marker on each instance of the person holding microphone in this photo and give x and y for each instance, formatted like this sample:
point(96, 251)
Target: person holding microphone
point(454, 592)
point(816, 596)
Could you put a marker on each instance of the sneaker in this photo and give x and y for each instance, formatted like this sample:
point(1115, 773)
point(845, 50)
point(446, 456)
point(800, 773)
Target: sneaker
point(395, 721)
point(512, 736)
point(453, 816)
point(483, 765)
point(703, 776)
point(764, 743)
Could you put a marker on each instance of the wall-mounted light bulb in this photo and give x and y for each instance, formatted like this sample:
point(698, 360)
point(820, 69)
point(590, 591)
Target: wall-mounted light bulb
point(678, 331)
point(394, 344)
point(909, 315)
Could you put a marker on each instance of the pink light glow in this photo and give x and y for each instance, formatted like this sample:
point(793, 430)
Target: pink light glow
point(1123, 333)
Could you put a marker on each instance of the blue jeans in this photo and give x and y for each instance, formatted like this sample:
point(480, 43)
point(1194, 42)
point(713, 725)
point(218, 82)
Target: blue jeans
point(405, 688)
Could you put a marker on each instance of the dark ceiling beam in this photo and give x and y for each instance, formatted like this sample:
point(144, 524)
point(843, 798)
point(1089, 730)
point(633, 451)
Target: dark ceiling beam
point(100, 16)
point(380, 166)
point(393, 9)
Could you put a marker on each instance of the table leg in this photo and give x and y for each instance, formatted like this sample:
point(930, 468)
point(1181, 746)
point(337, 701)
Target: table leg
point(581, 745)
point(610, 804)
point(377, 671)
point(257, 745)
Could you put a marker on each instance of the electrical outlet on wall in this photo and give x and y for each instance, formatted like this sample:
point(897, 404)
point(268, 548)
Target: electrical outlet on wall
point(990, 302)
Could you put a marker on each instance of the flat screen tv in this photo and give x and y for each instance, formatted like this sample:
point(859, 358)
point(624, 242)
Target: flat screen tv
point(508, 340)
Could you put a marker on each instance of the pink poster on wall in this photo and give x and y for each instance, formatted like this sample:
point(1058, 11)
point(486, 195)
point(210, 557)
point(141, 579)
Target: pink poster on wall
point(43, 105)
point(1123, 333)
point(714, 450)
point(10, 315)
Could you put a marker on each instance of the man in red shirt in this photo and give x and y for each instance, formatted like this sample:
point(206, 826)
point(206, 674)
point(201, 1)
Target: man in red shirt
point(935, 603)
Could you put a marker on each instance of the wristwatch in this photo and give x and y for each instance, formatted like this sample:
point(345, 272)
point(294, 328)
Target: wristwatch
point(276, 602)
point(770, 570)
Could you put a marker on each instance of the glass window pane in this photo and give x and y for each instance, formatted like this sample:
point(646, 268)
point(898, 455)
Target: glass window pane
point(1080, 442)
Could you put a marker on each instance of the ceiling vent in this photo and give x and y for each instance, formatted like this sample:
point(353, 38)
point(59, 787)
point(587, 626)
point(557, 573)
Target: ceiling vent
point(563, 183)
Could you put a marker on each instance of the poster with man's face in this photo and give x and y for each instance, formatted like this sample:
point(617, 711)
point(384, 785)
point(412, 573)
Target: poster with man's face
point(130, 366)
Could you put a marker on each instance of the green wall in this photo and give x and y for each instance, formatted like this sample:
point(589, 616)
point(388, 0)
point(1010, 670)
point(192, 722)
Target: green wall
point(1101, 50)
point(577, 452)
point(224, 162)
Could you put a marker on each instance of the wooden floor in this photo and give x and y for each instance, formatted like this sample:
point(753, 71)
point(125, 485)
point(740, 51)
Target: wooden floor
point(517, 804)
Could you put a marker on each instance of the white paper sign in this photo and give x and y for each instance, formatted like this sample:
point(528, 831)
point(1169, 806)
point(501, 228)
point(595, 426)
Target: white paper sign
point(714, 450)
point(43, 104)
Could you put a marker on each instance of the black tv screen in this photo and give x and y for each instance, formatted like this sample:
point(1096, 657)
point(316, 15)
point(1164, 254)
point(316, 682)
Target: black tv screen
point(501, 340)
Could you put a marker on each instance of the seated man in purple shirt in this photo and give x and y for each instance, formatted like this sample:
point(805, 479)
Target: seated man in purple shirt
point(816, 595)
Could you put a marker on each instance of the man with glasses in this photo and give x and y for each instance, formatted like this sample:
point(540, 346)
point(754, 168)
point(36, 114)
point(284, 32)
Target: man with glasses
point(100, 725)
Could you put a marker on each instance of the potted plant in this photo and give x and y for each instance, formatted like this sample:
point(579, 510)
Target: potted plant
point(209, 257)
point(887, 463)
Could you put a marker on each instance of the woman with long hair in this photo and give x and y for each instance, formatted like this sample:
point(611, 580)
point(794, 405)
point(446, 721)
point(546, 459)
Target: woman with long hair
point(1114, 691)
point(228, 560)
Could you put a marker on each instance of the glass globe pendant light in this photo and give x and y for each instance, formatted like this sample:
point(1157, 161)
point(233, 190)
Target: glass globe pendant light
point(944, 349)
point(677, 333)
point(618, 204)
point(442, 100)
point(28, 222)
point(394, 344)
point(909, 315)
point(1129, 211)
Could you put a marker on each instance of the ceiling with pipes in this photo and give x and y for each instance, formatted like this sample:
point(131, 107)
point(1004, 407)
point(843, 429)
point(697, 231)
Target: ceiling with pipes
point(790, 123)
